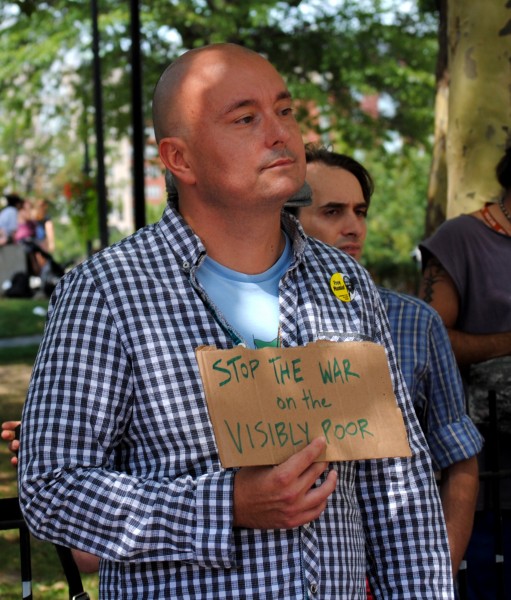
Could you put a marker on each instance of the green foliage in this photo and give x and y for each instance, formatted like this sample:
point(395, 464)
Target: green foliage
point(332, 56)
point(69, 248)
point(396, 216)
point(82, 203)
point(154, 212)
point(18, 355)
point(395, 224)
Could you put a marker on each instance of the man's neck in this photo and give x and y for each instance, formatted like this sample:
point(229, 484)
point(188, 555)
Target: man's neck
point(247, 241)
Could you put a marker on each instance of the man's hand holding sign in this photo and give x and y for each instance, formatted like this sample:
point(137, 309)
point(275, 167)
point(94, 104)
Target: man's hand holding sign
point(283, 497)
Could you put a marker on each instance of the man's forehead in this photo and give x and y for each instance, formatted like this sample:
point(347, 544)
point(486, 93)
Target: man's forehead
point(228, 88)
point(244, 102)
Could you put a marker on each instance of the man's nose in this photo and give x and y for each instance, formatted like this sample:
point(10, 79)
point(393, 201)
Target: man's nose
point(352, 225)
point(277, 131)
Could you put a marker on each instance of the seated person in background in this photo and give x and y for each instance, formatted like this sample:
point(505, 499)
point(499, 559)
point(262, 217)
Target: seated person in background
point(26, 224)
point(341, 193)
point(45, 235)
point(467, 279)
point(9, 218)
point(44, 231)
point(26, 232)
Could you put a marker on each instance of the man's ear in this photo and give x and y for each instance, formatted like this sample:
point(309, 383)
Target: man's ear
point(173, 155)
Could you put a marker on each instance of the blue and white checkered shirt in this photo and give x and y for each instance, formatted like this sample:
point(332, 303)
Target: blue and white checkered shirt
point(428, 365)
point(118, 455)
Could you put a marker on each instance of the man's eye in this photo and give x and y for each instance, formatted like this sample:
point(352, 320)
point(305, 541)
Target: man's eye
point(287, 111)
point(244, 120)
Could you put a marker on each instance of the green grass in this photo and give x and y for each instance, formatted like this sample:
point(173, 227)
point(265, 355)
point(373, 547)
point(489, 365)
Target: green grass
point(18, 319)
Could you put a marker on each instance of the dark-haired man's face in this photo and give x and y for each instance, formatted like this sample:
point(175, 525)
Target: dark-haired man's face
point(337, 215)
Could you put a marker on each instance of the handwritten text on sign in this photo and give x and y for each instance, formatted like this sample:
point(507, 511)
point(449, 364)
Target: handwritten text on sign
point(267, 404)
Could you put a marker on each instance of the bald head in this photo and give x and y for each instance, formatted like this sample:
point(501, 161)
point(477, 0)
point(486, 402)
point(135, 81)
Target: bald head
point(168, 101)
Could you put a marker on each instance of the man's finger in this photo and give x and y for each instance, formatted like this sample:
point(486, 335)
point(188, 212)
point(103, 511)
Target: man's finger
point(303, 465)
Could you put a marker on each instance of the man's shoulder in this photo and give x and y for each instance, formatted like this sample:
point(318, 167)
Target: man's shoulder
point(456, 224)
point(407, 313)
point(394, 301)
point(129, 246)
point(132, 259)
point(453, 233)
point(146, 247)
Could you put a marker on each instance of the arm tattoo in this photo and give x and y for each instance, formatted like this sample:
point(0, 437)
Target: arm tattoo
point(433, 273)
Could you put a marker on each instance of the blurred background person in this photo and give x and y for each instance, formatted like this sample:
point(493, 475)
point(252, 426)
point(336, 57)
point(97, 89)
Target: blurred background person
point(467, 279)
point(25, 235)
point(9, 218)
point(26, 224)
point(45, 234)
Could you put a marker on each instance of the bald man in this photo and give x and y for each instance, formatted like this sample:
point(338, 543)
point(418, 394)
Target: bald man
point(118, 455)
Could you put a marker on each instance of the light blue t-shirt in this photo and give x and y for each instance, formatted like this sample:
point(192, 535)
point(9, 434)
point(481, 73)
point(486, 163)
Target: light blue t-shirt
point(9, 220)
point(250, 303)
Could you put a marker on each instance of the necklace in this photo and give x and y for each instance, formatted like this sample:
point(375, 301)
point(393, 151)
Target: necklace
point(490, 220)
point(504, 210)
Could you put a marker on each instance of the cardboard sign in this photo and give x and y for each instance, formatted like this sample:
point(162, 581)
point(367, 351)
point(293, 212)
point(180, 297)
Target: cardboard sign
point(267, 404)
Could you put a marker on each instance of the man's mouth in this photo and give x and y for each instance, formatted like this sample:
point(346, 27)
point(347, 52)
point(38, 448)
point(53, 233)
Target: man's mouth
point(351, 249)
point(281, 162)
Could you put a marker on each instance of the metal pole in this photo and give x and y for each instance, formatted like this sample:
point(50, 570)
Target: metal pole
point(98, 113)
point(86, 171)
point(137, 119)
point(493, 453)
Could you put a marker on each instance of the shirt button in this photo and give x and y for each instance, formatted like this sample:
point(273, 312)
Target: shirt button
point(186, 265)
point(313, 589)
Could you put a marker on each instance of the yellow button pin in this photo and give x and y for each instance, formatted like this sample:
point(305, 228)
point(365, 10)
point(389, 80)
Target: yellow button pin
point(339, 288)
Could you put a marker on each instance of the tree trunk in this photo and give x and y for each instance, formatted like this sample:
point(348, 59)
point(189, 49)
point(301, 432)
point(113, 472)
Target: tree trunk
point(437, 190)
point(475, 93)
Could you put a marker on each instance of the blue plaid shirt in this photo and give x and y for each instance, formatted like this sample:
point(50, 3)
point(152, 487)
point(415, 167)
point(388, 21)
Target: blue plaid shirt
point(428, 365)
point(118, 455)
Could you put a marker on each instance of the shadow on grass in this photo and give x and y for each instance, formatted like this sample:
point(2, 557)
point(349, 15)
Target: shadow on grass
point(24, 355)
